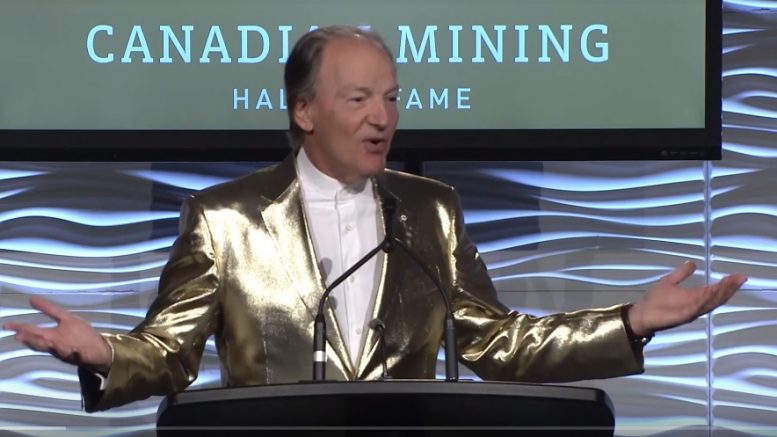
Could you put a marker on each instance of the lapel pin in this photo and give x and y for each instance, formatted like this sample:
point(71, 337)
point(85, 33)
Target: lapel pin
point(403, 218)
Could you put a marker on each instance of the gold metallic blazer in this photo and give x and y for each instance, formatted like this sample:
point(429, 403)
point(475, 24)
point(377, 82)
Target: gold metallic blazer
point(243, 269)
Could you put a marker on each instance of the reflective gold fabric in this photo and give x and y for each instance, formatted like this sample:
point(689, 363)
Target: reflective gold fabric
point(243, 268)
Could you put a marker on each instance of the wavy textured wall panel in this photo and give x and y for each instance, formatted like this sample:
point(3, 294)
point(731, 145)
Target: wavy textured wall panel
point(743, 226)
point(565, 236)
point(94, 238)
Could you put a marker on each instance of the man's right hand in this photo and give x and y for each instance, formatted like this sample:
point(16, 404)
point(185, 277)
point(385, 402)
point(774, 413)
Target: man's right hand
point(73, 340)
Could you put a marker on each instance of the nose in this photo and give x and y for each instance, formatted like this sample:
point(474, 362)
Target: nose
point(379, 114)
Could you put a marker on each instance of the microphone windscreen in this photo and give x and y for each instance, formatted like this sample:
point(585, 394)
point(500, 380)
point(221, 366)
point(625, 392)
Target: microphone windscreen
point(377, 323)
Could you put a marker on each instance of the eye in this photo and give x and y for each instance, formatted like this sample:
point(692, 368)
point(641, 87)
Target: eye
point(357, 99)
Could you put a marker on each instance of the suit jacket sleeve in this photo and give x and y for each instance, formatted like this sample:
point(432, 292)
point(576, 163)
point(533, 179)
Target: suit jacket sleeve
point(500, 344)
point(162, 354)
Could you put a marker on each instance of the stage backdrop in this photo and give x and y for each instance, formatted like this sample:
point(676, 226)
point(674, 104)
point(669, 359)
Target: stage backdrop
point(556, 236)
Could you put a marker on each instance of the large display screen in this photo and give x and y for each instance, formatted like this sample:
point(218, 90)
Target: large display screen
point(497, 79)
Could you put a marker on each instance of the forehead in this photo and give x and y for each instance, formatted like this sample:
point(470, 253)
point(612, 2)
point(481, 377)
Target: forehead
point(355, 59)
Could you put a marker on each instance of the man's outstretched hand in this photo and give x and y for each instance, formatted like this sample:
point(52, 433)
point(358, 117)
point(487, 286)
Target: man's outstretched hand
point(73, 340)
point(666, 304)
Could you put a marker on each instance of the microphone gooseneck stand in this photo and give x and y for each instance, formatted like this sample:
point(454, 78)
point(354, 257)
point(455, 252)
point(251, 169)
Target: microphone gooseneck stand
point(387, 245)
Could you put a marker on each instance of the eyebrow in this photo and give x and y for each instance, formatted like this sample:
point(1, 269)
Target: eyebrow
point(367, 90)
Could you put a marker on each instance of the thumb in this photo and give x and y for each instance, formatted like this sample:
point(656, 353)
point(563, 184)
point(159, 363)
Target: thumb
point(49, 308)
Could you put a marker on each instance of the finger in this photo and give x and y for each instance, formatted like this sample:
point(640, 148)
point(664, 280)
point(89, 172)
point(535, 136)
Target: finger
point(11, 326)
point(49, 308)
point(33, 341)
point(719, 293)
point(44, 342)
point(682, 272)
point(738, 279)
point(24, 328)
point(727, 286)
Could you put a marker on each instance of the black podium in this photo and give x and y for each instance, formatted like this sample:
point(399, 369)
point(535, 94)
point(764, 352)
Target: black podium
point(416, 407)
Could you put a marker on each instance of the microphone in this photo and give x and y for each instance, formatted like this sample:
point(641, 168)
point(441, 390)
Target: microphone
point(389, 208)
point(449, 331)
point(319, 326)
point(380, 327)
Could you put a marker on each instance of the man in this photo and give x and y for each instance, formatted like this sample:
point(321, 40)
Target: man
point(254, 255)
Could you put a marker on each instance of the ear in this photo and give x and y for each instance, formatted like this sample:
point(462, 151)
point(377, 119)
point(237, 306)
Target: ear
point(302, 115)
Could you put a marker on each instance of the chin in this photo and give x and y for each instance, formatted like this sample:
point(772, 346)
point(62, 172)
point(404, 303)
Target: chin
point(374, 170)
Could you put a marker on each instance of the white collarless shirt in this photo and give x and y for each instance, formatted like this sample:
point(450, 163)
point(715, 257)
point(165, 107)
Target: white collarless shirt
point(344, 226)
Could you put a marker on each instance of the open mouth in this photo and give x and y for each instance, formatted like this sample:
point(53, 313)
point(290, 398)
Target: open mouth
point(375, 144)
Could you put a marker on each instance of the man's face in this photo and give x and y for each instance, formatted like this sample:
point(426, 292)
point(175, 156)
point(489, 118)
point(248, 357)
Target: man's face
point(350, 122)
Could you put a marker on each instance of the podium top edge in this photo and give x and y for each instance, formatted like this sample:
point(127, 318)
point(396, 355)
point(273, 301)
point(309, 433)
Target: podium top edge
point(389, 387)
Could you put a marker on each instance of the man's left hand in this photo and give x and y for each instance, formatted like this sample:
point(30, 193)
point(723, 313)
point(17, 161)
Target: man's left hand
point(666, 304)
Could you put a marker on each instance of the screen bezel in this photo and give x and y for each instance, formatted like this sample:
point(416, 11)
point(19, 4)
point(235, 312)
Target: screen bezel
point(449, 145)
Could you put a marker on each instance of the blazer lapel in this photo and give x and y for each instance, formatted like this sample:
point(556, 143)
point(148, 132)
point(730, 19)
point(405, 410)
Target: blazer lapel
point(387, 297)
point(284, 219)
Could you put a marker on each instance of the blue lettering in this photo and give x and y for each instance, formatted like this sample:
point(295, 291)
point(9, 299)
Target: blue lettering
point(215, 36)
point(137, 43)
point(236, 98)
point(285, 44)
point(455, 29)
point(428, 38)
point(414, 100)
point(263, 100)
point(561, 48)
point(244, 58)
point(462, 95)
point(90, 44)
point(520, 30)
point(184, 50)
point(481, 36)
point(602, 46)
point(439, 100)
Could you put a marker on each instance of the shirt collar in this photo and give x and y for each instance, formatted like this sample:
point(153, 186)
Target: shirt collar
point(314, 182)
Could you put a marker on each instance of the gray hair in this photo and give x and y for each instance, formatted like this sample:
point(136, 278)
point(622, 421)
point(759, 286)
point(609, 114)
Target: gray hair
point(301, 72)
